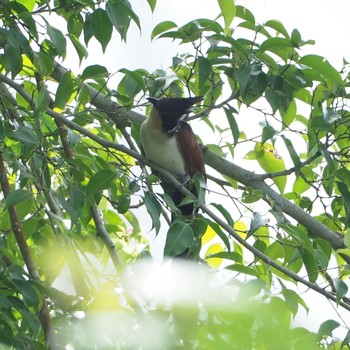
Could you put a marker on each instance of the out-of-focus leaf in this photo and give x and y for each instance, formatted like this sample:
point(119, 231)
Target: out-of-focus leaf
point(341, 288)
point(179, 238)
point(16, 197)
point(65, 90)
point(204, 70)
point(99, 181)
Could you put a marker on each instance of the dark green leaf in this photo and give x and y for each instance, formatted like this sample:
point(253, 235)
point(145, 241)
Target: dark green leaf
point(25, 135)
point(340, 287)
point(154, 209)
point(58, 40)
point(119, 16)
point(94, 72)
point(243, 269)
point(162, 27)
point(16, 197)
point(102, 26)
point(65, 90)
point(273, 43)
point(179, 238)
point(310, 264)
point(346, 340)
point(233, 124)
point(79, 48)
point(268, 133)
point(204, 70)
point(293, 154)
point(99, 181)
point(224, 213)
point(42, 102)
point(326, 328)
point(12, 59)
point(220, 233)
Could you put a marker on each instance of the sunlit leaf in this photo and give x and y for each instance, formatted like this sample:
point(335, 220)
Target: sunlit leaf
point(228, 10)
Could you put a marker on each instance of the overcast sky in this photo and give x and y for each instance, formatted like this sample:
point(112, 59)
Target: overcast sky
point(324, 21)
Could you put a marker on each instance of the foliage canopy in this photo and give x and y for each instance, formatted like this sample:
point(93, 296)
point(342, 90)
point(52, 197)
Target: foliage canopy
point(73, 190)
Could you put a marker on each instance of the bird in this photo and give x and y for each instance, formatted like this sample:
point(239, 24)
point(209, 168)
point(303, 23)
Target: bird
point(169, 142)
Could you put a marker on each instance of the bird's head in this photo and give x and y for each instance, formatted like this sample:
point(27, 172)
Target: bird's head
point(170, 110)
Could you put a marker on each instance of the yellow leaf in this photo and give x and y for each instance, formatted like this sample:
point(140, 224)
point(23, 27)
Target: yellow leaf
point(241, 228)
point(213, 249)
point(208, 235)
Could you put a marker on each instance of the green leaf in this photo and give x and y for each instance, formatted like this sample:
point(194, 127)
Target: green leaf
point(65, 90)
point(99, 181)
point(94, 72)
point(321, 65)
point(179, 238)
point(118, 14)
point(310, 264)
point(224, 213)
point(25, 135)
point(12, 59)
point(16, 197)
point(228, 10)
point(273, 43)
point(154, 209)
point(244, 13)
point(278, 27)
point(79, 48)
point(204, 70)
point(57, 38)
point(326, 328)
point(233, 124)
point(293, 154)
point(243, 269)
point(42, 102)
point(343, 189)
point(289, 115)
point(340, 287)
point(268, 133)
point(346, 340)
point(250, 195)
point(330, 115)
point(220, 233)
point(102, 27)
point(152, 4)
point(162, 27)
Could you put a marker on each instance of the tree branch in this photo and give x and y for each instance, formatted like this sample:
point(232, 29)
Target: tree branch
point(43, 312)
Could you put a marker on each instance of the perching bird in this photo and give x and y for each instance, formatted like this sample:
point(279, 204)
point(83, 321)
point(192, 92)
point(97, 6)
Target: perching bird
point(170, 142)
